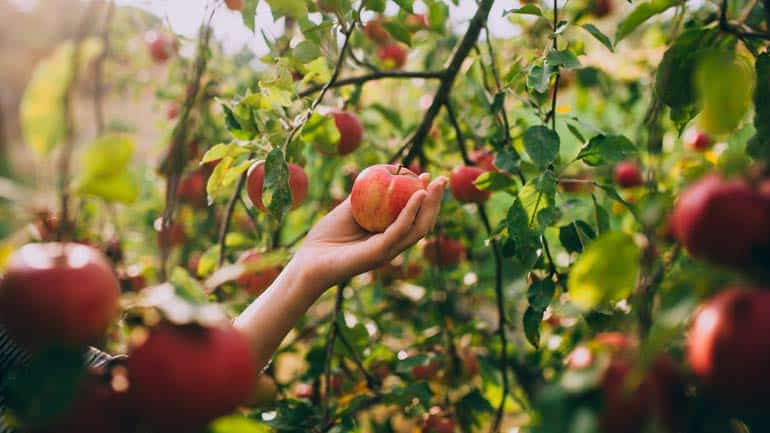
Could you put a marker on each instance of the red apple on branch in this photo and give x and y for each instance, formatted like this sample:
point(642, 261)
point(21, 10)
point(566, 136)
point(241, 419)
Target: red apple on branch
point(727, 346)
point(443, 251)
point(375, 31)
point(722, 221)
point(298, 184)
point(60, 294)
point(184, 376)
point(160, 45)
point(392, 55)
point(379, 194)
point(436, 421)
point(192, 188)
point(350, 129)
point(234, 5)
point(256, 282)
point(462, 186)
point(627, 174)
point(696, 140)
point(484, 159)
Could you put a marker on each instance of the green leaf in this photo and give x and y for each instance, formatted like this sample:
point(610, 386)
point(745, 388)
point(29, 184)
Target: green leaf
point(438, 14)
point(398, 31)
point(306, 51)
point(221, 150)
point(405, 5)
point(525, 10)
point(290, 8)
point(602, 217)
point(564, 58)
point(41, 111)
point(317, 70)
point(576, 235)
point(606, 272)
point(525, 240)
point(276, 194)
point(538, 78)
point(640, 14)
point(542, 145)
point(759, 145)
point(540, 294)
point(601, 37)
point(321, 131)
point(607, 149)
point(375, 5)
point(724, 81)
point(187, 287)
point(494, 181)
point(674, 83)
point(238, 424)
point(507, 160)
point(532, 319)
point(575, 132)
point(216, 179)
point(249, 13)
point(104, 172)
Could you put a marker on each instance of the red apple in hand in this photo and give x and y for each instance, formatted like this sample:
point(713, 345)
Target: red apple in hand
point(298, 184)
point(462, 187)
point(379, 193)
point(442, 251)
point(184, 376)
point(256, 282)
point(350, 129)
point(727, 346)
point(628, 174)
point(722, 221)
point(60, 294)
point(161, 45)
point(393, 56)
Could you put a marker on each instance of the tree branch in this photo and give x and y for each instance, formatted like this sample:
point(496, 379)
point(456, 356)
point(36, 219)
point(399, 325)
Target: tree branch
point(414, 143)
point(375, 76)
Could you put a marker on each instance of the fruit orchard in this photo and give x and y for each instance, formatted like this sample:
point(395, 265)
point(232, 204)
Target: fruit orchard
point(600, 262)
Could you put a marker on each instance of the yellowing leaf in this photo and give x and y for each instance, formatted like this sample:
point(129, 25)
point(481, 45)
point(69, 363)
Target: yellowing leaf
point(317, 70)
point(41, 109)
point(605, 272)
point(563, 109)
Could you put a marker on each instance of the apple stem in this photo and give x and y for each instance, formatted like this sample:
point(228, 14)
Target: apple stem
point(398, 170)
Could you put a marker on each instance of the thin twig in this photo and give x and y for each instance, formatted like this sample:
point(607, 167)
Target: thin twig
point(68, 144)
point(99, 69)
point(174, 162)
point(338, 303)
point(352, 81)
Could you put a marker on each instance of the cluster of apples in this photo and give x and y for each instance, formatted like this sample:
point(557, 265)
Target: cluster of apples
point(391, 53)
point(66, 295)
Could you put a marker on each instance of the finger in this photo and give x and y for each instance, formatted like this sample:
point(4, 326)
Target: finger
point(403, 224)
point(427, 216)
point(425, 178)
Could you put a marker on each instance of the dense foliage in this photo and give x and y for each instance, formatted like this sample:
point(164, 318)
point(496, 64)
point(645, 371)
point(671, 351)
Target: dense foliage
point(608, 176)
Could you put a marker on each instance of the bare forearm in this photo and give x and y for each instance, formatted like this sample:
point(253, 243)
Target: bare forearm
point(269, 318)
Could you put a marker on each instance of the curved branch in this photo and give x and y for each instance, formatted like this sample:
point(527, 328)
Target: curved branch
point(375, 76)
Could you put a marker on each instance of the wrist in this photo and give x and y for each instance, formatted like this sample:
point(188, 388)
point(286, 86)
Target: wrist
point(302, 276)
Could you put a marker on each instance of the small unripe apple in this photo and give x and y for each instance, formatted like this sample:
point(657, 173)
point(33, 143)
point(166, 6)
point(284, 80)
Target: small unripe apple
point(255, 283)
point(172, 111)
point(484, 159)
point(442, 251)
point(722, 221)
point(171, 236)
point(234, 5)
point(415, 22)
point(697, 140)
point(727, 347)
point(627, 174)
point(462, 186)
point(393, 56)
point(298, 184)
point(184, 376)
point(160, 45)
point(192, 188)
point(265, 392)
point(379, 194)
point(60, 294)
point(350, 129)
point(375, 31)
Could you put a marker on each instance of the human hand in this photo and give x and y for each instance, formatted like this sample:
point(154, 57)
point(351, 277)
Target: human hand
point(337, 248)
